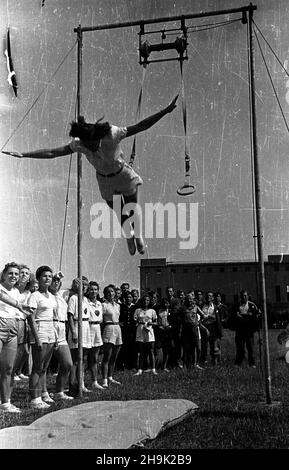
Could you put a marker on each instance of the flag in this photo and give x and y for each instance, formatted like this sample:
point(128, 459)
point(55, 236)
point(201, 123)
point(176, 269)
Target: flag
point(11, 73)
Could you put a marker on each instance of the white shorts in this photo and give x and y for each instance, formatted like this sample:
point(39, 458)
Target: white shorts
point(112, 334)
point(124, 183)
point(95, 335)
point(86, 340)
point(45, 332)
point(60, 331)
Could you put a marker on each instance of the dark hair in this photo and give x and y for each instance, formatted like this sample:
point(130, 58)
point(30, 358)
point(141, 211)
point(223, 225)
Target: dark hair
point(165, 303)
point(186, 301)
point(41, 270)
point(7, 266)
point(126, 294)
point(88, 131)
point(105, 290)
point(93, 283)
point(142, 299)
point(124, 284)
point(243, 292)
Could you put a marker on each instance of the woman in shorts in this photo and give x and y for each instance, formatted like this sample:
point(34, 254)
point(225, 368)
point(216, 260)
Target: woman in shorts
point(9, 314)
point(100, 143)
point(43, 337)
point(111, 335)
point(61, 348)
point(145, 318)
point(95, 320)
point(72, 313)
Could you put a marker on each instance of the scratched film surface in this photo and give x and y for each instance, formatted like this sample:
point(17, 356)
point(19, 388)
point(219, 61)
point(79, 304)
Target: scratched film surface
point(32, 192)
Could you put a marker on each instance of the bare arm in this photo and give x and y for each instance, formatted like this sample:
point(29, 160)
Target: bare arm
point(31, 323)
point(14, 303)
point(151, 120)
point(43, 153)
point(71, 326)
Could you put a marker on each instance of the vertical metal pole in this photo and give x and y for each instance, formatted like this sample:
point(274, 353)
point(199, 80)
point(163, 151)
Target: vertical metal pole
point(262, 289)
point(79, 217)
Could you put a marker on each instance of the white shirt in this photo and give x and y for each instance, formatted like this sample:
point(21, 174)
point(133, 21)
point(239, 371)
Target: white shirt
point(44, 305)
point(7, 311)
point(145, 333)
point(73, 307)
point(109, 156)
point(95, 310)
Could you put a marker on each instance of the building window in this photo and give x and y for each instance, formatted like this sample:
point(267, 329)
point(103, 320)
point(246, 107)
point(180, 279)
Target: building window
point(197, 270)
point(278, 293)
point(209, 270)
point(247, 269)
point(159, 291)
point(185, 270)
point(173, 270)
point(222, 270)
point(235, 269)
point(236, 298)
point(287, 267)
point(276, 267)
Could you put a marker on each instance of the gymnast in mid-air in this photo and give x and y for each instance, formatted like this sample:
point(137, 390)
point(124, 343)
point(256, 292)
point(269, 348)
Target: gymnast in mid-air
point(100, 143)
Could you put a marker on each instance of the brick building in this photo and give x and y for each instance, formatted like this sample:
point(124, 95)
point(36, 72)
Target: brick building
point(228, 277)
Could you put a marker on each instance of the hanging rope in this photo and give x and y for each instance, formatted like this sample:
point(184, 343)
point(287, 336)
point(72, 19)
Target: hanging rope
point(187, 187)
point(272, 50)
point(65, 212)
point(272, 83)
point(66, 198)
point(133, 150)
point(38, 97)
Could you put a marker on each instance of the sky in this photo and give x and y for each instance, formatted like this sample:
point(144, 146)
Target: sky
point(215, 76)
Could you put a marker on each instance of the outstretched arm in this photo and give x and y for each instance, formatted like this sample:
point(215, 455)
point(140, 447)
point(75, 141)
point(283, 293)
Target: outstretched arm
point(151, 120)
point(43, 153)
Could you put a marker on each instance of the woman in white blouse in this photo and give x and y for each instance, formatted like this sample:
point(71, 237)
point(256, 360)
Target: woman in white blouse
point(95, 320)
point(73, 337)
point(145, 317)
point(61, 348)
point(111, 335)
point(43, 336)
point(9, 314)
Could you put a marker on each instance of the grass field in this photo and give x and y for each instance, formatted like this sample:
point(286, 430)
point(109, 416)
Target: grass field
point(232, 411)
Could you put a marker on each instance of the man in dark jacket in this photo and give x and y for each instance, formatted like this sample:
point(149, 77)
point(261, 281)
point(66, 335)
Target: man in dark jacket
point(174, 309)
point(246, 317)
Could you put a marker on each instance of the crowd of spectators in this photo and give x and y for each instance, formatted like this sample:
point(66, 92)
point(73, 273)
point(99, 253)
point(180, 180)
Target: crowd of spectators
point(120, 330)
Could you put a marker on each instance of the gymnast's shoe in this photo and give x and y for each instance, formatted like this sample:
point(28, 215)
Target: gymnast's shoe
point(9, 408)
point(131, 245)
point(62, 396)
point(140, 245)
point(38, 404)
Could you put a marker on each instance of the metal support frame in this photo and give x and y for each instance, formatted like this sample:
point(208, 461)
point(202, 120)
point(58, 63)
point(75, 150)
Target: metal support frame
point(80, 30)
point(180, 45)
point(258, 215)
point(79, 216)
